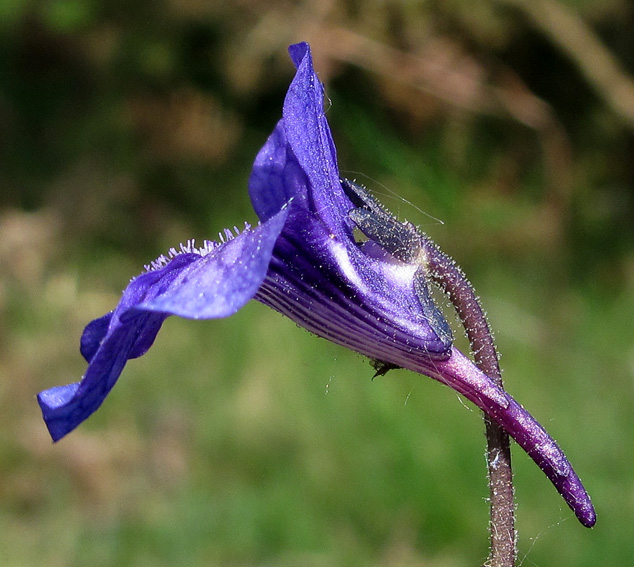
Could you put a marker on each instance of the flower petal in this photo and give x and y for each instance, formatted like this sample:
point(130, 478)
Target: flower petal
point(197, 285)
point(220, 283)
point(276, 176)
point(299, 159)
point(92, 336)
point(309, 136)
point(65, 407)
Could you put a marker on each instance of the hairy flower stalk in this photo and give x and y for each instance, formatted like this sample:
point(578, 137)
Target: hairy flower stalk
point(453, 282)
point(303, 260)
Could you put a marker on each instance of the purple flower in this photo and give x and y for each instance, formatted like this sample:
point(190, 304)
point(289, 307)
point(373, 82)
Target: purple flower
point(303, 260)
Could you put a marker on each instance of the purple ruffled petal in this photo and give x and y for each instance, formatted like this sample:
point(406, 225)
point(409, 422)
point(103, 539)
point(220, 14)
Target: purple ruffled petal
point(220, 283)
point(65, 407)
point(92, 336)
point(299, 159)
point(276, 177)
point(209, 284)
point(309, 136)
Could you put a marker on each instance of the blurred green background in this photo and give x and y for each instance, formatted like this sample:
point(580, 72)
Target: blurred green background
point(128, 127)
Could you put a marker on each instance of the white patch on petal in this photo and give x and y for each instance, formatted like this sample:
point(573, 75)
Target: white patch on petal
point(345, 265)
point(402, 273)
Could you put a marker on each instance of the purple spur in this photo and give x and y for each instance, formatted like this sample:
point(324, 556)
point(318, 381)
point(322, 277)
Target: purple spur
point(303, 260)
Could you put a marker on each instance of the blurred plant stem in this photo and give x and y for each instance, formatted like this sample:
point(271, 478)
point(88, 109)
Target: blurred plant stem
point(454, 283)
point(581, 44)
